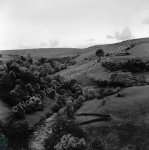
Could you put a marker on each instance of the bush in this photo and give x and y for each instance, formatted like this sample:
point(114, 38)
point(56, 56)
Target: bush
point(56, 107)
point(70, 142)
point(101, 83)
point(77, 104)
point(23, 58)
point(99, 52)
point(91, 94)
point(56, 69)
point(120, 78)
point(27, 77)
point(141, 79)
point(81, 98)
point(135, 65)
point(30, 60)
point(20, 113)
point(62, 126)
point(111, 66)
point(101, 93)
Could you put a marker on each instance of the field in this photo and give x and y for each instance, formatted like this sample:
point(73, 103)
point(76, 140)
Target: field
point(119, 118)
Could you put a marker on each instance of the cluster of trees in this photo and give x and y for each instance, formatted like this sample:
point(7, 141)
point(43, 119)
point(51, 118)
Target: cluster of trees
point(26, 79)
point(124, 79)
point(68, 135)
point(70, 92)
point(135, 65)
point(111, 66)
point(65, 125)
point(132, 65)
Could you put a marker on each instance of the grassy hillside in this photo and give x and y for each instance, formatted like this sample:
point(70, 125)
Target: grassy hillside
point(116, 114)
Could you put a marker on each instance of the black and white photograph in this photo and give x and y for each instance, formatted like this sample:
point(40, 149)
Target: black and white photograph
point(74, 74)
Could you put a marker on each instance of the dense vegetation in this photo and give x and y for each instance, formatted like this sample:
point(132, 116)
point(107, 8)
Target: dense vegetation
point(99, 52)
point(132, 65)
point(23, 85)
point(26, 79)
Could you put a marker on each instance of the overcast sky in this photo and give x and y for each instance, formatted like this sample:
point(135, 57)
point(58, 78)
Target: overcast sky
point(71, 23)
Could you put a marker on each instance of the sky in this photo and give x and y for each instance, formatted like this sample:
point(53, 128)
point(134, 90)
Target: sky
point(71, 23)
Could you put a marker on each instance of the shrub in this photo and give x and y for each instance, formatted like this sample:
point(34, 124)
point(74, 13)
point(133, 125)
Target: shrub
point(12, 74)
point(23, 58)
point(111, 66)
point(77, 104)
point(20, 113)
point(30, 60)
point(62, 126)
point(101, 93)
point(99, 52)
point(27, 77)
point(120, 78)
point(56, 69)
point(81, 98)
point(101, 83)
point(49, 78)
point(51, 71)
point(56, 107)
point(91, 94)
point(63, 66)
point(72, 62)
point(141, 79)
point(135, 65)
point(70, 142)
point(60, 103)
point(51, 94)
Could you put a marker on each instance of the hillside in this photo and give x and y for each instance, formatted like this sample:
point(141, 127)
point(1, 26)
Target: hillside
point(113, 110)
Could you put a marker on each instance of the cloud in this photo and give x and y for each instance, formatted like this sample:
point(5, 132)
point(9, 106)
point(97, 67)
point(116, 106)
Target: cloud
point(124, 35)
point(90, 40)
point(43, 44)
point(51, 43)
point(110, 37)
point(54, 43)
point(145, 21)
point(85, 45)
point(23, 46)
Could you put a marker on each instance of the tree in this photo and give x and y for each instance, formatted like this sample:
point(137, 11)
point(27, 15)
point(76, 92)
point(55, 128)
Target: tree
point(62, 126)
point(23, 58)
point(70, 142)
point(30, 60)
point(99, 52)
